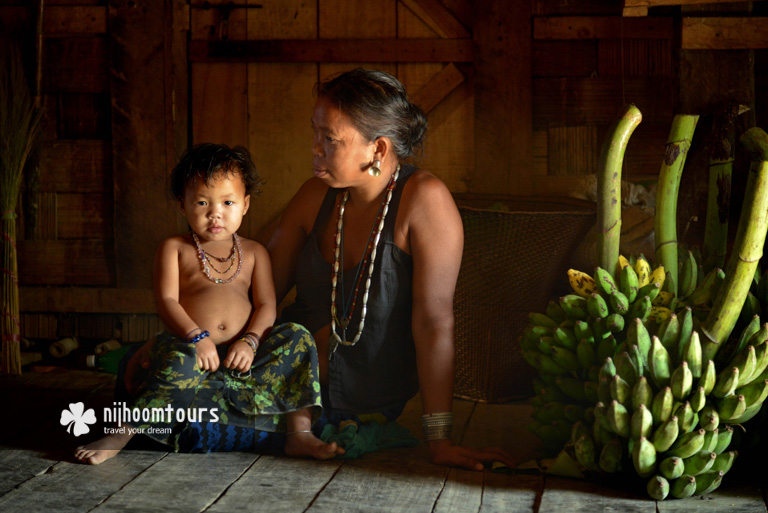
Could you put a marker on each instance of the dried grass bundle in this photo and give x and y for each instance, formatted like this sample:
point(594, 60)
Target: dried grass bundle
point(19, 134)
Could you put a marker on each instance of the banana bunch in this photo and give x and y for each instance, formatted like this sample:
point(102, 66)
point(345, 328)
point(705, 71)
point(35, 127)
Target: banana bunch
point(621, 382)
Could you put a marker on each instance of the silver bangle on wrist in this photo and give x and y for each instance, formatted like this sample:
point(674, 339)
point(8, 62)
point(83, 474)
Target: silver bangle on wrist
point(437, 426)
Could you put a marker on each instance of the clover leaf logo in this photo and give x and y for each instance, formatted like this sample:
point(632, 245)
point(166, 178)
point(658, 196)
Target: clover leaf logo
point(75, 416)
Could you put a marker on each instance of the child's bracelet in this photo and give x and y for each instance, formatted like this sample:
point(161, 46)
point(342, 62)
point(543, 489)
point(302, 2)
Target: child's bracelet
point(254, 335)
point(190, 333)
point(248, 340)
point(197, 338)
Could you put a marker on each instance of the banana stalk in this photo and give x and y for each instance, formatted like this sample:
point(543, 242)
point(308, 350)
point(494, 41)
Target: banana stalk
point(719, 193)
point(609, 188)
point(747, 249)
point(665, 221)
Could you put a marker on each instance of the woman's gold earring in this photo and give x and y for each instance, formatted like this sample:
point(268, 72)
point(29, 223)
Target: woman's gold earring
point(375, 169)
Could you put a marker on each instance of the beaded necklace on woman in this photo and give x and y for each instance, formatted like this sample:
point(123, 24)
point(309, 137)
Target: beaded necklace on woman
point(337, 274)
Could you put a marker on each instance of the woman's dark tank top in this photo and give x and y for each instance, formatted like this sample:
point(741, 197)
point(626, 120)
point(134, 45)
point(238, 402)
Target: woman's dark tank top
point(379, 371)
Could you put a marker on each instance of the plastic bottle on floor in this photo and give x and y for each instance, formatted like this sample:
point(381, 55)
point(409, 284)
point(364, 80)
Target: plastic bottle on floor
point(108, 362)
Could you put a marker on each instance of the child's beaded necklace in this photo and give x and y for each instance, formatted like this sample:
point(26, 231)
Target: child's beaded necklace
point(237, 253)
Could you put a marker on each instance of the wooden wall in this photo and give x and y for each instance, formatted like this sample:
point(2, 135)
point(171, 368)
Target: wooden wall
point(519, 97)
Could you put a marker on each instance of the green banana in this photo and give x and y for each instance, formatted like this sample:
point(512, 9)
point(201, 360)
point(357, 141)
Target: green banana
point(706, 290)
point(659, 363)
point(564, 358)
point(637, 360)
point(726, 383)
point(692, 354)
point(657, 488)
point(698, 399)
point(614, 322)
point(640, 309)
point(746, 362)
point(551, 394)
point(731, 407)
point(573, 413)
point(669, 334)
point(710, 441)
point(619, 302)
point(591, 391)
point(699, 463)
point(584, 448)
point(642, 393)
point(708, 482)
point(555, 312)
point(686, 417)
point(549, 412)
point(611, 455)
point(687, 276)
point(760, 336)
point(585, 352)
point(596, 306)
point(579, 428)
point(608, 369)
point(709, 418)
point(628, 283)
point(708, 377)
point(625, 368)
point(683, 487)
point(651, 290)
point(644, 457)
point(750, 308)
point(641, 423)
point(681, 381)
point(754, 393)
point(620, 390)
point(724, 437)
point(540, 319)
point(666, 434)
point(574, 306)
point(688, 444)
point(671, 467)
point(761, 355)
point(669, 283)
point(618, 418)
point(604, 281)
point(571, 387)
point(724, 461)
point(544, 344)
point(686, 328)
point(604, 389)
point(565, 338)
point(661, 407)
point(606, 348)
point(637, 335)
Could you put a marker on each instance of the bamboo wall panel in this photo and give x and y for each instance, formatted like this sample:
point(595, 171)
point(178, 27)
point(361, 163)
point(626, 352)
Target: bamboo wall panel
point(636, 58)
point(564, 58)
point(220, 103)
point(67, 57)
point(83, 216)
point(573, 150)
point(585, 101)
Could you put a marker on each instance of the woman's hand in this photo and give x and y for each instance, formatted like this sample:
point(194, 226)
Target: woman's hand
point(240, 356)
point(445, 452)
point(207, 356)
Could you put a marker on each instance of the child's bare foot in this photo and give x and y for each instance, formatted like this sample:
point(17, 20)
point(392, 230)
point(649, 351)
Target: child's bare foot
point(103, 448)
point(307, 444)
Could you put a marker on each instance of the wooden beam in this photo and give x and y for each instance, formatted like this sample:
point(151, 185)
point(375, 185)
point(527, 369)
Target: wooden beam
point(438, 87)
point(602, 27)
point(659, 3)
point(738, 33)
point(75, 19)
point(333, 50)
point(86, 300)
point(439, 19)
point(630, 12)
point(503, 112)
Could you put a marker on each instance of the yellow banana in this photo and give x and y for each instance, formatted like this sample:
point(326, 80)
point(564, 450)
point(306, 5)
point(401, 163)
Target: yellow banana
point(582, 283)
point(623, 262)
point(643, 271)
point(658, 275)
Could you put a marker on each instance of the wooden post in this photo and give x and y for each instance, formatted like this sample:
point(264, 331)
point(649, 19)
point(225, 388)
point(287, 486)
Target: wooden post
point(141, 152)
point(503, 119)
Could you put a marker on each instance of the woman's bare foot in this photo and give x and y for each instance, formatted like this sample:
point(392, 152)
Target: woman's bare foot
point(103, 448)
point(307, 444)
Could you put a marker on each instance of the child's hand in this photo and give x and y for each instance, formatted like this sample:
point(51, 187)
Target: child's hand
point(207, 357)
point(239, 356)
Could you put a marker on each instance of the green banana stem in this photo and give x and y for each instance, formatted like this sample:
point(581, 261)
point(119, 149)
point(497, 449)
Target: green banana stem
point(609, 188)
point(665, 220)
point(719, 193)
point(747, 249)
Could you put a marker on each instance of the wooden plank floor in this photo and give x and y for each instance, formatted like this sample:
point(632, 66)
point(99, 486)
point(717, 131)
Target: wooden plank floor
point(37, 472)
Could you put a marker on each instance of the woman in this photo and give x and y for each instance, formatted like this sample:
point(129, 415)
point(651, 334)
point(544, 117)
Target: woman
point(374, 248)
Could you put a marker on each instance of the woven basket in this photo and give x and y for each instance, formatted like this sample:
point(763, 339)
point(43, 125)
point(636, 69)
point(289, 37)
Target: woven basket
point(514, 262)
